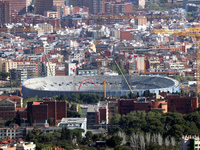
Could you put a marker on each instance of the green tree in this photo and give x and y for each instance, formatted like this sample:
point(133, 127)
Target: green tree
point(124, 96)
point(115, 119)
point(88, 138)
point(50, 121)
point(62, 97)
point(30, 136)
point(114, 141)
point(119, 147)
point(18, 118)
point(72, 114)
point(132, 95)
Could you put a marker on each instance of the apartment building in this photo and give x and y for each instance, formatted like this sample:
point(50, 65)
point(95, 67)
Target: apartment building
point(45, 5)
point(5, 12)
point(8, 110)
point(47, 69)
point(93, 116)
point(7, 64)
point(40, 111)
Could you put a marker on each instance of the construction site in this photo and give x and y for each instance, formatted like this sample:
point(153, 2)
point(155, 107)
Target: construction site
point(113, 85)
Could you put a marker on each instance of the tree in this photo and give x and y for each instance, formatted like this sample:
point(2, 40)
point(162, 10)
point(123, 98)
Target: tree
point(36, 131)
point(119, 147)
point(50, 121)
point(72, 114)
point(17, 118)
point(62, 97)
point(114, 141)
point(115, 119)
point(88, 138)
point(132, 95)
point(124, 96)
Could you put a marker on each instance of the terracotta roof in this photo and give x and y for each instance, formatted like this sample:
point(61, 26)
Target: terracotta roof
point(10, 97)
point(9, 100)
point(37, 103)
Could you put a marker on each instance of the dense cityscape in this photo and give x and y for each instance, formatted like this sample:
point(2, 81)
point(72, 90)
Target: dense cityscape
point(99, 74)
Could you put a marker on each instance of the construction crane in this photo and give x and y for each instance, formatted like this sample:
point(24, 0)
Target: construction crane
point(191, 32)
point(121, 73)
point(104, 83)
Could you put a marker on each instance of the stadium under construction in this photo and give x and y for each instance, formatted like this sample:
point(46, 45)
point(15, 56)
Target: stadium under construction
point(115, 85)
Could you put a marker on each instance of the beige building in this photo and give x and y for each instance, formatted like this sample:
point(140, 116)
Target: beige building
point(140, 63)
point(47, 69)
point(6, 65)
point(141, 3)
point(154, 64)
point(51, 14)
point(44, 28)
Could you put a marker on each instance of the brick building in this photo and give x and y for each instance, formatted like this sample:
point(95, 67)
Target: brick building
point(127, 105)
point(141, 20)
point(8, 110)
point(181, 104)
point(39, 111)
point(18, 6)
point(103, 110)
point(5, 12)
point(118, 7)
point(45, 5)
point(125, 35)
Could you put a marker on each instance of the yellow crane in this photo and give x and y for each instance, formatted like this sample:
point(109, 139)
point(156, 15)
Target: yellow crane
point(191, 32)
point(104, 83)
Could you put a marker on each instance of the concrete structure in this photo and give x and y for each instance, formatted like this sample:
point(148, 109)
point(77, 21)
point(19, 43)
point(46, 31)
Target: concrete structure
point(51, 86)
point(74, 123)
point(93, 116)
point(189, 142)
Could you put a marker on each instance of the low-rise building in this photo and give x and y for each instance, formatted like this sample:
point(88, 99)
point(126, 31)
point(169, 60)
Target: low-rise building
point(74, 123)
point(25, 146)
point(189, 142)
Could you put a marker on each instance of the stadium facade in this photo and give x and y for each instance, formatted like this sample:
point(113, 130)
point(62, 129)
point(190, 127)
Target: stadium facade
point(50, 86)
